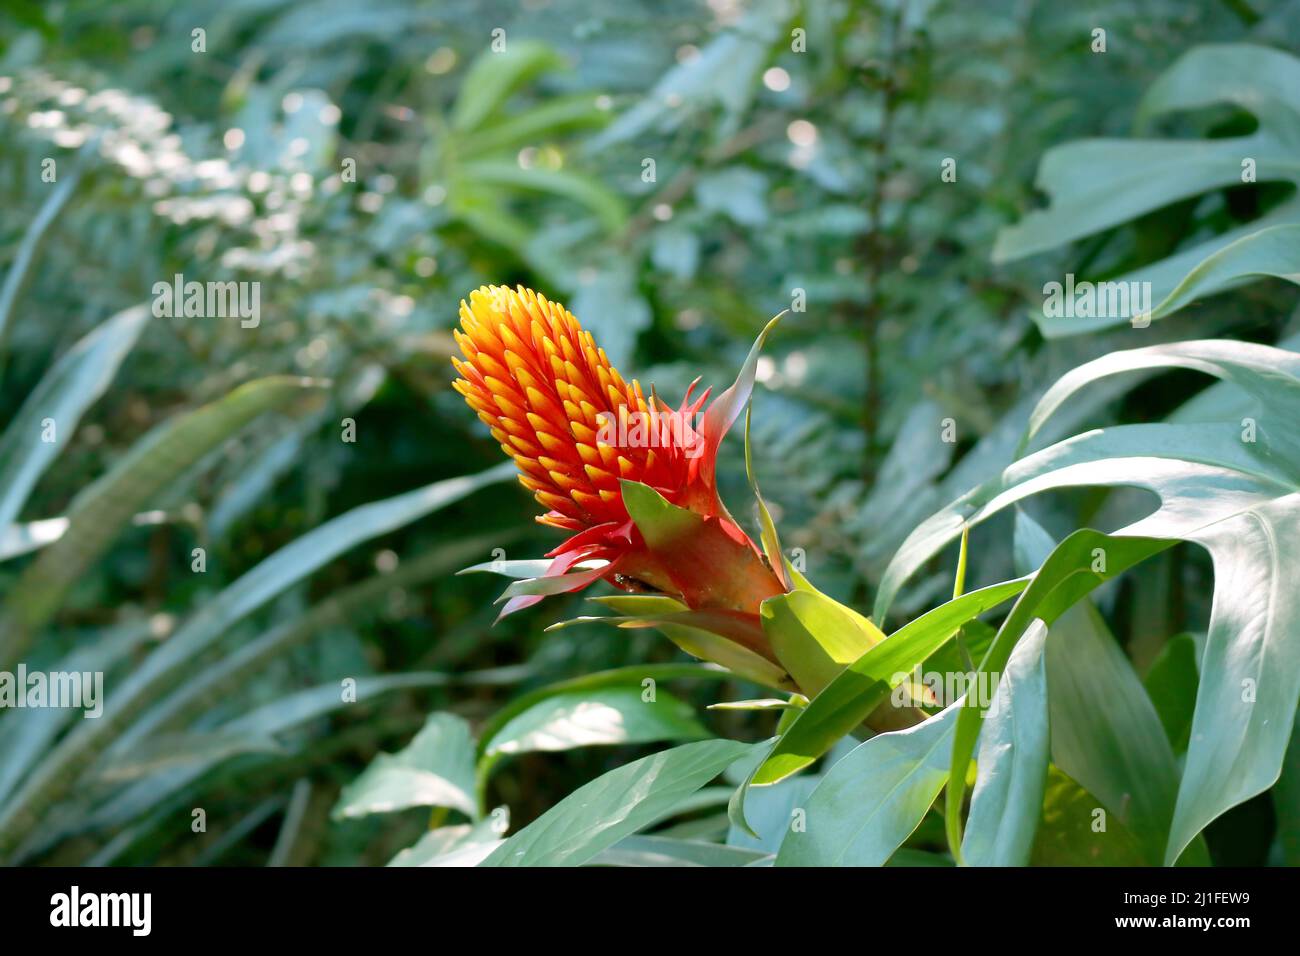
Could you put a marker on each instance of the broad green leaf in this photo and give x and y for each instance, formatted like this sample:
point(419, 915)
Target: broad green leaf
point(1286, 803)
point(770, 812)
point(467, 844)
point(1069, 573)
point(1269, 375)
point(101, 510)
point(815, 637)
point(1271, 252)
point(595, 716)
point(639, 850)
point(1076, 830)
point(619, 676)
point(1171, 684)
point(866, 683)
point(1105, 732)
point(62, 396)
point(436, 769)
point(1100, 183)
point(601, 813)
point(1239, 498)
point(1095, 185)
point(1013, 756)
point(869, 802)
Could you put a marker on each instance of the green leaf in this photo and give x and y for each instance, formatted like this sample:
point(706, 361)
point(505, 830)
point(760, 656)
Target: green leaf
point(815, 637)
point(1076, 830)
point(436, 769)
point(662, 523)
point(497, 175)
point(601, 813)
point(769, 812)
point(280, 715)
point(493, 76)
point(867, 682)
point(1105, 733)
point(100, 511)
point(1238, 496)
point(673, 619)
point(725, 75)
point(870, 801)
point(1171, 684)
point(763, 703)
point(1098, 184)
point(767, 535)
point(1013, 757)
point(761, 816)
point(540, 121)
point(1286, 802)
point(634, 674)
point(595, 716)
point(71, 386)
point(168, 663)
point(522, 570)
point(1272, 252)
point(464, 845)
point(33, 238)
point(667, 851)
point(189, 700)
point(1070, 572)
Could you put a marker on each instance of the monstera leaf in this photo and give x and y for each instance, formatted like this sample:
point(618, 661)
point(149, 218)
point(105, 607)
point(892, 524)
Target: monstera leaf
point(1097, 184)
point(1231, 487)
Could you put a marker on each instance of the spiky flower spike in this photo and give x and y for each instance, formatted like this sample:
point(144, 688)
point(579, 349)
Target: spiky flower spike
point(553, 402)
point(580, 432)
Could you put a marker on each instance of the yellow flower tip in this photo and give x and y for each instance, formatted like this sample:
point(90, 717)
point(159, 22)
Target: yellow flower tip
point(537, 377)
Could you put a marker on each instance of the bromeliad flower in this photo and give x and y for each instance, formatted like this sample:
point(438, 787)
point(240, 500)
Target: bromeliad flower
point(632, 477)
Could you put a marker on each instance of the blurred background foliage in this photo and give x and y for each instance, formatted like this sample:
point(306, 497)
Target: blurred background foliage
point(784, 173)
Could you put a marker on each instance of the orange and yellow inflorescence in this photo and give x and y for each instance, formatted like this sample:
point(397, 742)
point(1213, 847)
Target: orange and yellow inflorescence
point(580, 434)
point(551, 398)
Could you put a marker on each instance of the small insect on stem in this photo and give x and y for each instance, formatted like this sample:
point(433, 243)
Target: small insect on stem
point(635, 585)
